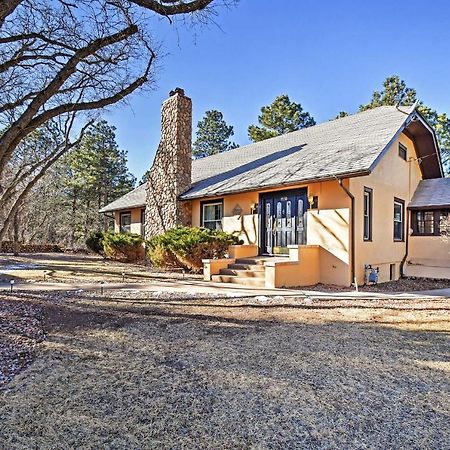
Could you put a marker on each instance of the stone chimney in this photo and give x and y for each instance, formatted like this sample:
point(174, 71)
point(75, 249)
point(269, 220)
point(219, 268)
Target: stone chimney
point(170, 175)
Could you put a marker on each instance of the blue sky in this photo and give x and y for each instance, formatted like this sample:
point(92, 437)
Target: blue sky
point(327, 55)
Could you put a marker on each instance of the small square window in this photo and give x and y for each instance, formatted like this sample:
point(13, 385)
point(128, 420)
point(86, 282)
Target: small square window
point(402, 151)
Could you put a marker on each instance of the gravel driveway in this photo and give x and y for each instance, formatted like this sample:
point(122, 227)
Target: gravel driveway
point(134, 373)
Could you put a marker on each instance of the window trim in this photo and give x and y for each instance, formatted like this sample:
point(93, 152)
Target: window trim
point(402, 148)
point(369, 192)
point(402, 203)
point(438, 212)
point(143, 222)
point(124, 213)
point(210, 203)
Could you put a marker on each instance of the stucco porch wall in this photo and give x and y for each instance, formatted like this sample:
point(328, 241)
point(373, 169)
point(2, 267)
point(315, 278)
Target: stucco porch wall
point(392, 177)
point(428, 256)
point(327, 226)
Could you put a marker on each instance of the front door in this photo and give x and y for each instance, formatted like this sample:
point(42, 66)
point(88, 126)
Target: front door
point(283, 220)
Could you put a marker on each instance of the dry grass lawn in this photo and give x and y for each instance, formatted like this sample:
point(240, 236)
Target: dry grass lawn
point(127, 371)
point(76, 268)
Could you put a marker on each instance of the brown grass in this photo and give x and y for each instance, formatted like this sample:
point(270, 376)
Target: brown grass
point(134, 372)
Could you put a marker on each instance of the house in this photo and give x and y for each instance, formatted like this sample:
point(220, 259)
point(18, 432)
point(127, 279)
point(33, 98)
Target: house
point(356, 197)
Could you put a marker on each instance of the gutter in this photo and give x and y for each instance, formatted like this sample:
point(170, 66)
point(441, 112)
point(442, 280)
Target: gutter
point(263, 188)
point(352, 215)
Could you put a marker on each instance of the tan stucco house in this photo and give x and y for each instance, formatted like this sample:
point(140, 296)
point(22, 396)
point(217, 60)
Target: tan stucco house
point(356, 197)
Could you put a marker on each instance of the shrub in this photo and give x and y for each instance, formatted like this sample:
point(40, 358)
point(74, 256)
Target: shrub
point(123, 246)
point(186, 247)
point(94, 242)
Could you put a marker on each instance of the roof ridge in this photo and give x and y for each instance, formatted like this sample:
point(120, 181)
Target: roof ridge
point(292, 133)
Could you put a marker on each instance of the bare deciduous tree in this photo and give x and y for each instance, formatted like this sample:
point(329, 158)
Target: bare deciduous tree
point(60, 60)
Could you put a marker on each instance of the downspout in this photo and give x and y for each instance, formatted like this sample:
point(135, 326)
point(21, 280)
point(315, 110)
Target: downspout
point(408, 214)
point(352, 229)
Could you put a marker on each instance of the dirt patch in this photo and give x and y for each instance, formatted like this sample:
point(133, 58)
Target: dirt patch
point(80, 268)
point(128, 370)
point(20, 332)
point(408, 285)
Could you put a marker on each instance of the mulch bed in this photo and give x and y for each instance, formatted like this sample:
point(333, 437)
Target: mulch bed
point(411, 284)
point(20, 332)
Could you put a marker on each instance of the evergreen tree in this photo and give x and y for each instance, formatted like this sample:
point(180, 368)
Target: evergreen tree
point(213, 135)
point(282, 116)
point(97, 175)
point(396, 92)
point(341, 114)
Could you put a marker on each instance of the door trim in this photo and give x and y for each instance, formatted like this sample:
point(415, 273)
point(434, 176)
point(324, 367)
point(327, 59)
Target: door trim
point(261, 212)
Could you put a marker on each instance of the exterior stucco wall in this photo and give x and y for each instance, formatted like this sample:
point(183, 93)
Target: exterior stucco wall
point(244, 225)
point(327, 226)
point(136, 226)
point(426, 248)
point(392, 177)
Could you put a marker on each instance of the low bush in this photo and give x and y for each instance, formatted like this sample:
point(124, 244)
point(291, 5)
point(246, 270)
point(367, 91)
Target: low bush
point(123, 246)
point(94, 242)
point(186, 247)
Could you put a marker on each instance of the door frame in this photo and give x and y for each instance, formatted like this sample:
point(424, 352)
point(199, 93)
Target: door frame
point(261, 212)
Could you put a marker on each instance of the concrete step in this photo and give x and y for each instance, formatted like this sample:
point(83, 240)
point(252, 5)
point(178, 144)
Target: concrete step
point(243, 273)
point(252, 267)
point(252, 261)
point(253, 282)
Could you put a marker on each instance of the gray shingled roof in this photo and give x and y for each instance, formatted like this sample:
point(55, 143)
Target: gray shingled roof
point(134, 199)
point(341, 147)
point(432, 194)
point(348, 146)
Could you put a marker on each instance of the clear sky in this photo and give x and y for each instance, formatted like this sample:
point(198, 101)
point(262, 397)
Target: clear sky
point(327, 55)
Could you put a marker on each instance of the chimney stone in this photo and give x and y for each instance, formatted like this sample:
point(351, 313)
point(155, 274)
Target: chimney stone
point(170, 175)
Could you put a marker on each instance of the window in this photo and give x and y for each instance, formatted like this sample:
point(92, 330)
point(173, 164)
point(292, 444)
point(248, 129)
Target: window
point(424, 222)
point(429, 222)
point(444, 225)
point(125, 222)
point(402, 151)
point(367, 232)
point(399, 214)
point(212, 214)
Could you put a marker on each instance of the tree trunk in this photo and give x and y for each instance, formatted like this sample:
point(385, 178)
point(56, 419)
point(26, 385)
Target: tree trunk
point(16, 243)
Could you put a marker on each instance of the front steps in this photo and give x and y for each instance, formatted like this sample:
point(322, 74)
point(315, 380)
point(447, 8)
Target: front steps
point(248, 272)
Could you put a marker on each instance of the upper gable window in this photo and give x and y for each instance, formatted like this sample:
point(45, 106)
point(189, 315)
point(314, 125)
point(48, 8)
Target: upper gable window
point(402, 151)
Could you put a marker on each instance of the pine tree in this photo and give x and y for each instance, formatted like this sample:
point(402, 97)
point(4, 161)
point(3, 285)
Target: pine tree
point(213, 135)
point(98, 175)
point(282, 116)
point(396, 92)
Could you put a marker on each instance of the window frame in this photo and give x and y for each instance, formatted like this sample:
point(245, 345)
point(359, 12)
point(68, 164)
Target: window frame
point(202, 212)
point(369, 192)
point(438, 214)
point(400, 202)
point(123, 214)
point(403, 148)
